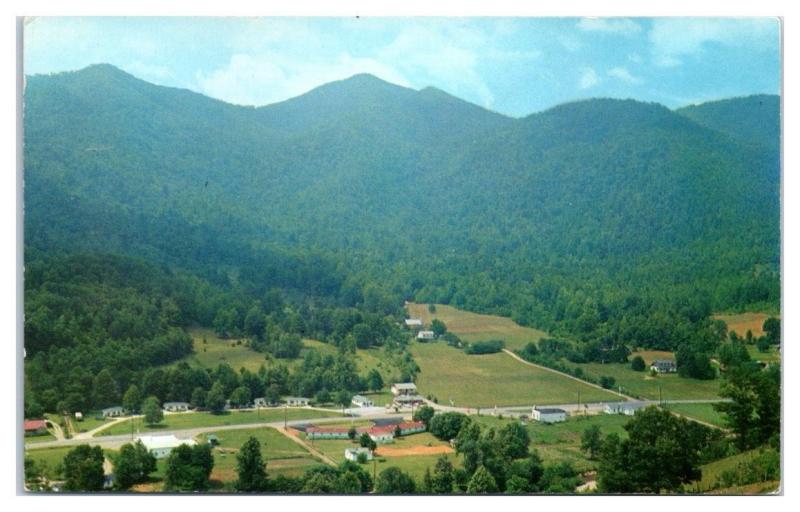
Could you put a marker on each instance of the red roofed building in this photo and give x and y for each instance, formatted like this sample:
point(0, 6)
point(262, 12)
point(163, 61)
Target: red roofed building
point(379, 434)
point(34, 427)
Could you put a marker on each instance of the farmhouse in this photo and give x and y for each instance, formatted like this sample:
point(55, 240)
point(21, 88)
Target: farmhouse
point(425, 335)
point(353, 453)
point(626, 408)
point(297, 401)
point(362, 401)
point(162, 446)
point(176, 406)
point(664, 366)
point(34, 427)
point(548, 414)
point(413, 323)
point(113, 412)
point(404, 388)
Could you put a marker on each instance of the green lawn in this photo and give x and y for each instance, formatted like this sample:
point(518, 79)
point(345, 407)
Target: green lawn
point(205, 419)
point(475, 327)
point(561, 442)
point(494, 379)
point(89, 422)
point(771, 356)
point(642, 385)
point(48, 459)
point(40, 439)
point(702, 412)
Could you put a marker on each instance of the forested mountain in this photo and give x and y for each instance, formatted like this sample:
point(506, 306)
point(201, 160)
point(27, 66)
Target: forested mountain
point(606, 221)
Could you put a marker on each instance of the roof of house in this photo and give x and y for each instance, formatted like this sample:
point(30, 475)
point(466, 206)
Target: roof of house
point(663, 361)
point(425, 333)
point(357, 450)
point(114, 408)
point(413, 321)
point(550, 410)
point(174, 404)
point(297, 398)
point(34, 424)
point(168, 441)
point(405, 385)
point(408, 398)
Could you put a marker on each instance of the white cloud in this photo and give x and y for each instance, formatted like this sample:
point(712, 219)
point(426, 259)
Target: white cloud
point(620, 26)
point(589, 78)
point(671, 38)
point(623, 74)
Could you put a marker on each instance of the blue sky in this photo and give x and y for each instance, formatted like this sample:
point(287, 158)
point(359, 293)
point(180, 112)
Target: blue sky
point(512, 65)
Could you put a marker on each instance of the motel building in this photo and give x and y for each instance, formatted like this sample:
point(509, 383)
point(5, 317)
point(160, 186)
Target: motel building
point(162, 446)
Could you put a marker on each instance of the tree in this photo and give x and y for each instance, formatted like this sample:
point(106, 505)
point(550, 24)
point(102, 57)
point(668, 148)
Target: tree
point(424, 414)
point(591, 441)
point(255, 322)
point(347, 483)
point(438, 327)
point(343, 398)
point(132, 400)
point(753, 412)
point(442, 480)
point(607, 382)
point(240, 397)
point(394, 481)
point(251, 468)
point(374, 380)
point(427, 482)
point(151, 408)
point(513, 440)
point(132, 465)
point(352, 433)
point(188, 468)
point(638, 364)
point(763, 344)
point(198, 399)
point(431, 308)
point(105, 389)
point(772, 330)
point(215, 400)
point(366, 442)
point(446, 426)
point(83, 469)
point(482, 482)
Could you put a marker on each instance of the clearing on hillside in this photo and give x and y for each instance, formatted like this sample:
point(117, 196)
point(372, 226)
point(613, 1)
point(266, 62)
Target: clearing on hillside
point(743, 322)
point(477, 327)
point(448, 374)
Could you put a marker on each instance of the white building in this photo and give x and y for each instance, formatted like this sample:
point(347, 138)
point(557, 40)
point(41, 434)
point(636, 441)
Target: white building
point(548, 414)
point(113, 412)
point(162, 446)
point(413, 323)
point(382, 435)
point(297, 401)
point(176, 406)
point(362, 401)
point(425, 335)
point(404, 388)
point(352, 453)
point(626, 408)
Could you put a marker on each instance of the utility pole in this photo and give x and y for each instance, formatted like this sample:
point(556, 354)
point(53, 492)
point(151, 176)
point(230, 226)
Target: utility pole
point(285, 409)
point(579, 400)
point(660, 400)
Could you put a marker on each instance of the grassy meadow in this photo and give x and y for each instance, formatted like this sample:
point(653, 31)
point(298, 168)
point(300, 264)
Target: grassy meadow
point(494, 379)
point(702, 412)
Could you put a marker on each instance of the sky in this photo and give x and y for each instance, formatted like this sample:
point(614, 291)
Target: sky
point(515, 66)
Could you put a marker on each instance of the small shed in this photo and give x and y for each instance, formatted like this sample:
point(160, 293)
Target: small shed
point(353, 453)
point(79, 416)
point(548, 414)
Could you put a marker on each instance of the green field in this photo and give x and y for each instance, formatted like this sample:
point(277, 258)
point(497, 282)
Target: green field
point(204, 419)
point(89, 422)
point(475, 327)
point(712, 471)
point(702, 412)
point(561, 442)
point(495, 379)
point(283, 456)
point(772, 356)
point(48, 459)
point(642, 385)
point(39, 439)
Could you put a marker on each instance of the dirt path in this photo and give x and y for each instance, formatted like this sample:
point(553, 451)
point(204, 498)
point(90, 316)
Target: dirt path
point(56, 430)
point(387, 451)
point(515, 356)
point(91, 433)
point(292, 434)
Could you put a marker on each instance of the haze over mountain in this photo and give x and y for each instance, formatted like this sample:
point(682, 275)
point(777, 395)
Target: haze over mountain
point(546, 218)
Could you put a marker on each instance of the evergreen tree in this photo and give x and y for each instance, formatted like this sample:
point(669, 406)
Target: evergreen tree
point(132, 401)
point(482, 482)
point(151, 408)
point(251, 468)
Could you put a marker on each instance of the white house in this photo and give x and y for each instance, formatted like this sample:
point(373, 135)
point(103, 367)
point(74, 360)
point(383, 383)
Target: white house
point(261, 402)
point(425, 335)
point(404, 388)
point(413, 323)
point(362, 401)
point(353, 453)
point(548, 414)
point(382, 435)
point(176, 406)
point(664, 366)
point(162, 446)
point(297, 401)
point(113, 412)
point(626, 408)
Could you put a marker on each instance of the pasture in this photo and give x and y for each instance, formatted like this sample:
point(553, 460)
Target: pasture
point(190, 420)
point(743, 322)
point(494, 379)
point(476, 327)
point(702, 412)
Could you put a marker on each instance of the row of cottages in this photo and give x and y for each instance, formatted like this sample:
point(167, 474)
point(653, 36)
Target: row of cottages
point(162, 446)
point(34, 427)
point(548, 414)
point(362, 401)
point(353, 453)
point(626, 408)
point(380, 434)
point(664, 366)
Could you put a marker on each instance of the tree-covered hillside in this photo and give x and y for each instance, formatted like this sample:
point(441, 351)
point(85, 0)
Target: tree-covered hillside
point(605, 221)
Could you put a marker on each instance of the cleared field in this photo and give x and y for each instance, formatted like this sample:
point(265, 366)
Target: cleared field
point(702, 412)
point(642, 385)
point(712, 471)
point(561, 442)
point(476, 327)
point(743, 322)
point(771, 356)
point(205, 419)
point(283, 456)
point(493, 379)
